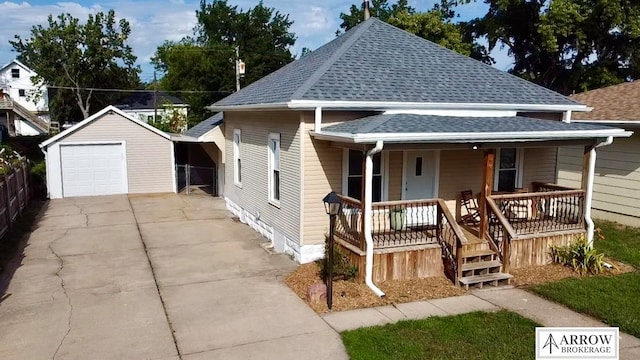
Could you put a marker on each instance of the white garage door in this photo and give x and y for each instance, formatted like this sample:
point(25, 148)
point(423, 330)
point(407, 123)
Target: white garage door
point(89, 170)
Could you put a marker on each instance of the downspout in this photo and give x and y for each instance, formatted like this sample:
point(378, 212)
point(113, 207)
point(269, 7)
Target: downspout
point(589, 188)
point(46, 169)
point(566, 116)
point(317, 124)
point(368, 215)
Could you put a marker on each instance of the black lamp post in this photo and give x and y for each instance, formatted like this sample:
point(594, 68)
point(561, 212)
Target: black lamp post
point(332, 205)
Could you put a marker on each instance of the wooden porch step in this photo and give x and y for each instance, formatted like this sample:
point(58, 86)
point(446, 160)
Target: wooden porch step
point(477, 253)
point(478, 256)
point(481, 265)
point(480, 280)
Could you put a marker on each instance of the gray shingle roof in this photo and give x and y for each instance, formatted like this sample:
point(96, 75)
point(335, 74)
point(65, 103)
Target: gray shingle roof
point(205, 126)
point(412, 123)
point(378, 62)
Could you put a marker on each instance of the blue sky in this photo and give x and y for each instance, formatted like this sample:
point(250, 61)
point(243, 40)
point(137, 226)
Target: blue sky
point(153, 22)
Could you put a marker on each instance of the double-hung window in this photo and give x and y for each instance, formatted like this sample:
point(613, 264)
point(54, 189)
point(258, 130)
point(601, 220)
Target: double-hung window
point(15, 73)
point(508, 173)
point(354, 174)
point(237, 157)
point(274, 168)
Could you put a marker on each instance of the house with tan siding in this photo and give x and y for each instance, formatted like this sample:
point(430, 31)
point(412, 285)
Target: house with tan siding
point(616, 189)
point(400, 127)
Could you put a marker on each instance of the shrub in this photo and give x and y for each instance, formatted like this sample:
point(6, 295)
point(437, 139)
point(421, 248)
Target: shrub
point(580, 256)
point(39, 178)
point(342, 267)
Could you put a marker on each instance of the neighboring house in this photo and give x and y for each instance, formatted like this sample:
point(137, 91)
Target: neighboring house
point(145, 105)
point(616, 192)
point(24, 108)
point(399, 126)
point(203, 146)
point(108, 153)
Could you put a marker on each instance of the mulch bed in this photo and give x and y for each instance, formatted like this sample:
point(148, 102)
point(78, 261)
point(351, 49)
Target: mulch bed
point(349, 295)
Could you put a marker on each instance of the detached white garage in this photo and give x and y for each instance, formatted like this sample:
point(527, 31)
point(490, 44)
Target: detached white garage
point(109, 153)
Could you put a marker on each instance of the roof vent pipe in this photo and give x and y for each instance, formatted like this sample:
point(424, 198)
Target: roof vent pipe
point(367, 12)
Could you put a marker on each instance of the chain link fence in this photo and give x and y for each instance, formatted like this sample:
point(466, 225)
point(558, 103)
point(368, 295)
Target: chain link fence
point(197, 180)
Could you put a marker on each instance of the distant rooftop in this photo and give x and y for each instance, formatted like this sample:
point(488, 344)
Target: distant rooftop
point(144, 100)
point(612, 103)
point(205, 126)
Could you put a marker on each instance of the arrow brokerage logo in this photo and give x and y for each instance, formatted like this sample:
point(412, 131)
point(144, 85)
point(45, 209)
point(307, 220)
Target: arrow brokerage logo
point(577, 343)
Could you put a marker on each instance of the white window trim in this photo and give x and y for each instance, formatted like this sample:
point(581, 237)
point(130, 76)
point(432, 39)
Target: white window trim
point(384, 172)
point(237, 155)
point(14, 70)
point(270, 162)
point(519, 168)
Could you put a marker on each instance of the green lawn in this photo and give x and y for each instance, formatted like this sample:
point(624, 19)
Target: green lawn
point(477, 335)
point(621, 243)
point(612, 299)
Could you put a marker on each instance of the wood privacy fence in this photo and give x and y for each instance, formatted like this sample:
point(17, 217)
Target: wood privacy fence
point(14, 196)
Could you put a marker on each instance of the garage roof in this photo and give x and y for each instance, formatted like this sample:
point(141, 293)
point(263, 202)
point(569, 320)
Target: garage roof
point(95, 117)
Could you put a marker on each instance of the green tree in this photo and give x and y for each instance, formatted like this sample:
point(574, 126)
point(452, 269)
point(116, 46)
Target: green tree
point(436, 25)
point(567, 45)
point(68, 54)
point(380, 9)
point(205, 61)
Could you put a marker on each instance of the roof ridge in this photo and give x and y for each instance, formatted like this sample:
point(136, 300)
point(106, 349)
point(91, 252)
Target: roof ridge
point(357, 32)
point(377, 120)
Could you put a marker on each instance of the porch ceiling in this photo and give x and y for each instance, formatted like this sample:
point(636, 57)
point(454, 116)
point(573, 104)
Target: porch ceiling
point(412, 128)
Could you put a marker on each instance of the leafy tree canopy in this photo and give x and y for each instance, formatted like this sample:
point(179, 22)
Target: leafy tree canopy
point(67, 53)
point(567, 45)
point(205, 61)
point(435, 25)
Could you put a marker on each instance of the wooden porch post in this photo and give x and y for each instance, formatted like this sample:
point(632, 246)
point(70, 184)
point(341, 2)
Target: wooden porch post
point(487, 187)
point(585, 167)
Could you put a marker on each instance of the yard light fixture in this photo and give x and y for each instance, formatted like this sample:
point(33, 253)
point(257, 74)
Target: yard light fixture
point(332, 205)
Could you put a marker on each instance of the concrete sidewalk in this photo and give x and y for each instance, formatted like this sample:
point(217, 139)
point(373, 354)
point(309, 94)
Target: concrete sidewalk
point(542, 311)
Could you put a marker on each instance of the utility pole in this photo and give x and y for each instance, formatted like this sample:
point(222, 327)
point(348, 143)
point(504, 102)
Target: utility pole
point(155, 97)
point(237, 68)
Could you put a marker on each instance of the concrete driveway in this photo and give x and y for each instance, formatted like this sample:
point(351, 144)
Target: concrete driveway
point(153, 277)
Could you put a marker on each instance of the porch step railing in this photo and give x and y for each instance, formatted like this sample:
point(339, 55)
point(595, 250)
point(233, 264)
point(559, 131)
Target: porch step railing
point(398, 224)
point(499, 233)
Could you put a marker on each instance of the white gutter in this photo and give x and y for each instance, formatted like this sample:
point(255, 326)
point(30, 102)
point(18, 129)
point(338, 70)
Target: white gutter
point(390, 105)
point(466, 137)
point(589, 190)
point(318, 120)
point(566, 116)
point(368, 214)
point(383, 106)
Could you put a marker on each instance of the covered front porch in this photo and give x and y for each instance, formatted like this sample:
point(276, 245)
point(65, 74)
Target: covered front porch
point(400, 195)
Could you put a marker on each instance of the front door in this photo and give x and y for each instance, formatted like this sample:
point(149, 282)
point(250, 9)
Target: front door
point(420, 175)
point(420, 171)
